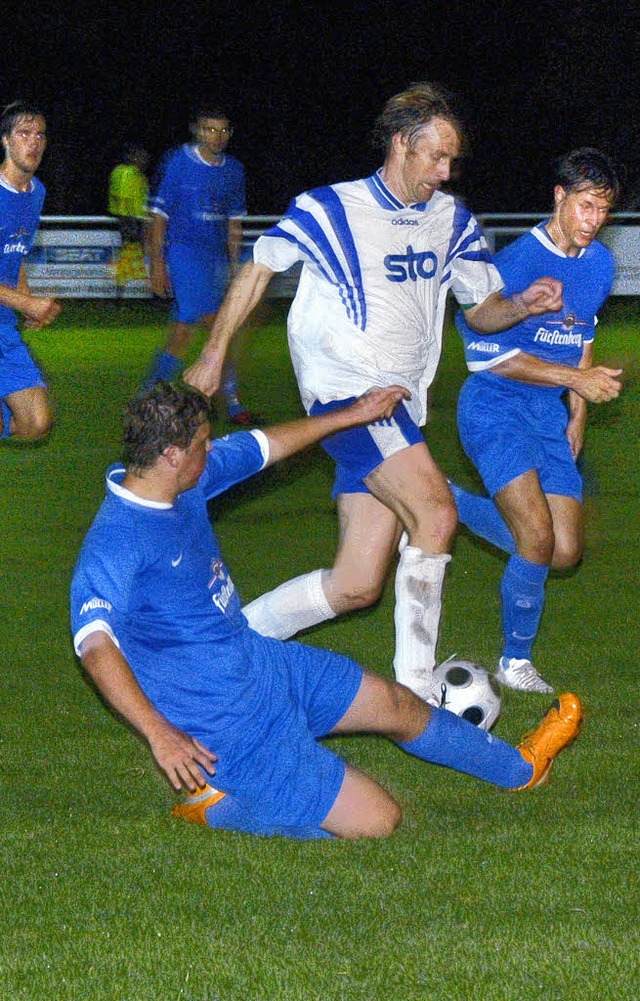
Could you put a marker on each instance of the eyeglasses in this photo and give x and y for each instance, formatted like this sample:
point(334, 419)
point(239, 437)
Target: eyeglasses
point(215, 131)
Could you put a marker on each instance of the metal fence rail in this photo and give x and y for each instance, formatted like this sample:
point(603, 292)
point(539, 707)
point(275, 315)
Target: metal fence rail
point(74, 256)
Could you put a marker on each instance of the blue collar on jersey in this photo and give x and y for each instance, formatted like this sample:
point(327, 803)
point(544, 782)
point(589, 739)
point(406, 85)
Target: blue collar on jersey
point(386, 198)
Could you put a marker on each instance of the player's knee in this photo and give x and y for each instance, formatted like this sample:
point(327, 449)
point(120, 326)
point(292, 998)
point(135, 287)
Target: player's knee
point(537, 544)
point(33, 427)
point(567, 553)
point(436, 520)
point(389, 823)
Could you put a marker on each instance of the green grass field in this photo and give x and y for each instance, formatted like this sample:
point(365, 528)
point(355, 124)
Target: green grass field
point(480, 895)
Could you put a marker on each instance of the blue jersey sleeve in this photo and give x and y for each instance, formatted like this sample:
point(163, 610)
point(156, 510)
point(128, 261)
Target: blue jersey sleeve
point(232, 459)
point(101, 582)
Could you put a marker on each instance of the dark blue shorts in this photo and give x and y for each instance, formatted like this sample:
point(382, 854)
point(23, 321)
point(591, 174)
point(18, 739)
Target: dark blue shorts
point(507, 430)
point(271, 760)
point(199, 279)
point(358, 451)
point(18, 371)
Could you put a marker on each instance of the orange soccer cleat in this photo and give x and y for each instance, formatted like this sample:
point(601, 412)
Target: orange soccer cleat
point(559, 728)
point(194, 805)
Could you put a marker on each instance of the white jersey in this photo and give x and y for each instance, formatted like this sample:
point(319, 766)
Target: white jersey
point(369, 309)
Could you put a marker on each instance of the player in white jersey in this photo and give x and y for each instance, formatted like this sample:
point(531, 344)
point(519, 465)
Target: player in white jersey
point(379, 256)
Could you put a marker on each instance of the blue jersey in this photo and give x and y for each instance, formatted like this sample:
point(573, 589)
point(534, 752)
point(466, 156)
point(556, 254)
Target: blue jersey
point(151, 576)
point(198, 199)
point(19, 219)
point(553, 337)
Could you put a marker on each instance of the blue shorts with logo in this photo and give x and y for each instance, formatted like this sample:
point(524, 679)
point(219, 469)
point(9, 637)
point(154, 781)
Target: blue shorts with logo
point(199, 279)
point(18, 371)
point(270, 757)
point(358, 451)
point(508, 428)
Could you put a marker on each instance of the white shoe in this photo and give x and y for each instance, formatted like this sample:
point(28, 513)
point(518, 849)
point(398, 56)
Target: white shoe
point(521, 675)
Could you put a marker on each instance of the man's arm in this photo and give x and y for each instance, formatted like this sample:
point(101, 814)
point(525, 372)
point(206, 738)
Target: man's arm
point(160, 283)
point(38, 310)
point(375, 404)
point(177, 754)
point(498, 312)
point(595, 384)
point(245, 292)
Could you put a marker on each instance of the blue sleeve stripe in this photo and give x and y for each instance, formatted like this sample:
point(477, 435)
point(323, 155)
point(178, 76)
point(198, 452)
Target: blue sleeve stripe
point(322, 234)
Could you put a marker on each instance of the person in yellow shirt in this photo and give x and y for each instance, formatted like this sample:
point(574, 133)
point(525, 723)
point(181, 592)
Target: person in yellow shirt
point(128, 192)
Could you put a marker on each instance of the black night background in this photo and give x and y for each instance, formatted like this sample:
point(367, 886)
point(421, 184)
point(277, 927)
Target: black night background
point(304, 82)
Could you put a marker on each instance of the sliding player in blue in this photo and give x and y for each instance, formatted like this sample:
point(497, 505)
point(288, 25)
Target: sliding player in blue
point(522, 412)
point(159, 627)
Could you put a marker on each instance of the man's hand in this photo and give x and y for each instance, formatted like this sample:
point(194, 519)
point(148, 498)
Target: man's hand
point(598, 384)
point(376, 404)
point(542, 296)
point(39, 311)
point(180, 757)
point(205, 373)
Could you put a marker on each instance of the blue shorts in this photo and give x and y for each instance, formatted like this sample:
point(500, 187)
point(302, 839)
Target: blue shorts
point(272, 762)
point(358, 451)
point(507, 429)
point(199, 279)
point(18, 371)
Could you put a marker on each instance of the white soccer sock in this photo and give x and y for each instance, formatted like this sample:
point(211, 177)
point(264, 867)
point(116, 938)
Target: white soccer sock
point(419, 580)
point(296, 605)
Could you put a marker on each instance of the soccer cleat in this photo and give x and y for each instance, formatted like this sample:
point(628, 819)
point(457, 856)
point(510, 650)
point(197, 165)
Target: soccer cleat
point(559, 728)
point(194, 805)
point(521, 675)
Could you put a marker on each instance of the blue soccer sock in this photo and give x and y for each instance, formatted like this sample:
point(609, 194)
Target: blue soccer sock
point(482, 517)
point(6, 420)
point(453, 742)
point(229, 389)
point(229, 815)
point(523, 592)
point(164, 366)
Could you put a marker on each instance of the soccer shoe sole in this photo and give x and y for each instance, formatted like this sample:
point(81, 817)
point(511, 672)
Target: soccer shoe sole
point(559, 728)
point(194, 807)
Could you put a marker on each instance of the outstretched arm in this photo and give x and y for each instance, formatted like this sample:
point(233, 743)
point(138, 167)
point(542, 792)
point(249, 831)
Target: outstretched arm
point(177, 754)
point(498, 312)
point(374, 405)
point(245, 292)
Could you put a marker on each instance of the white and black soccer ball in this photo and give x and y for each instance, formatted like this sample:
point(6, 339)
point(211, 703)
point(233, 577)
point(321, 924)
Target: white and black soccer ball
point(468, 690)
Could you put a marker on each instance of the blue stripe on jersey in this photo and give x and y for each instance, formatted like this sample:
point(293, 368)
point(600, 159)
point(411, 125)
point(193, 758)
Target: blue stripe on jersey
point(458, 247)
point(349, 282)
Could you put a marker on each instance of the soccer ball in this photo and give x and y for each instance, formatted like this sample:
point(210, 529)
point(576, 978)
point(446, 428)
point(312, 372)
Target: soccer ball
point(467, 690)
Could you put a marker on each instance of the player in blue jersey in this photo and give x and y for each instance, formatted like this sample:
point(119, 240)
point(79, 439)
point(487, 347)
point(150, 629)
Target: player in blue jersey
point(513, 419)
point(25, 410)
point(195, 240)
point(379, 256)
point(158, 624)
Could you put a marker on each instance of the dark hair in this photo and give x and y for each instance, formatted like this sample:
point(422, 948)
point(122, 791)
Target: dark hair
point(587, 168)
point(158, 417)
point(412, 109)
point(208, 111)
point(16, 110)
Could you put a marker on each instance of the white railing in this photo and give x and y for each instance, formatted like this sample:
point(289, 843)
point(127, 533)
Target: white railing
point(74, 255)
